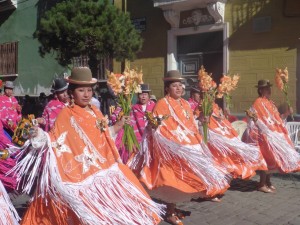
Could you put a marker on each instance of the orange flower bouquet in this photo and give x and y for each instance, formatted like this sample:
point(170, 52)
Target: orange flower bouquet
point(209, 89)
point(281, 80)
point(227, 84)
point(124, 87)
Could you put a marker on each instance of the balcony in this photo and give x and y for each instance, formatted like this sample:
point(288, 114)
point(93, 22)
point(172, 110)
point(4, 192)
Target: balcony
point(6, 5)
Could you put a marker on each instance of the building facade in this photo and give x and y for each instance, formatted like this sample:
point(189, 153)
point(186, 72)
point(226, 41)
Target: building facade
point(247, 37)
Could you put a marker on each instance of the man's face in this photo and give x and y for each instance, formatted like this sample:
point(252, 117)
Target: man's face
point(8, 92)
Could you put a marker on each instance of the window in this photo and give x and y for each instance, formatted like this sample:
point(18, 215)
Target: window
point(9, 59)
point(102, 66)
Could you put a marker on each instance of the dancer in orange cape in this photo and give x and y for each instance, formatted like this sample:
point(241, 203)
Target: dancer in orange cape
point(268, 132)
point(82, 179)
point(174, 163)
point(240, 159)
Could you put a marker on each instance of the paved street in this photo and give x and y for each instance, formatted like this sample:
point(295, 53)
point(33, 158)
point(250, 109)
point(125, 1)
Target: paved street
point(243, 205)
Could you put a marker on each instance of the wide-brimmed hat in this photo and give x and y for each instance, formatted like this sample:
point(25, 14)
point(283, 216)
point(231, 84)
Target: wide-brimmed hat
point(9, 84)
point(81, 75)
point(145, 88)
point(173, 75)
point(263, 83)
point(59, 84)
point(195, 89)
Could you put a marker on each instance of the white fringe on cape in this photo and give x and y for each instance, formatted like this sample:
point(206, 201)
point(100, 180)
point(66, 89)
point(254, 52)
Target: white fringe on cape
point(8, 214)
point(106, 197)
point(196, 157)
point(282, 151)
point(250, 154)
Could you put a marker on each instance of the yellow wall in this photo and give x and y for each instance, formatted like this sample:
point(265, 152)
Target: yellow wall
point(153, 70)
point(256, 55)
point(153, 55)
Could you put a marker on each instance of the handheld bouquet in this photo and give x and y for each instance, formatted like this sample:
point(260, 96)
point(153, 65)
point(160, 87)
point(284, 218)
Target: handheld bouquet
point(124, 87)
point(227, 84)
point(281, 80)
point(209, 89)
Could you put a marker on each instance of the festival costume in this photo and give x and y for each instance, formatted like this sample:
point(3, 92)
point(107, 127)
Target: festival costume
point(239, 158)
point(271, 136)
point(81, 182)
point(10, 116)
point(124, 154)
point(174, 162)
point(8, 214)
point(138, 118)
point(193, 104)
point(51, 112)
point(9, 181)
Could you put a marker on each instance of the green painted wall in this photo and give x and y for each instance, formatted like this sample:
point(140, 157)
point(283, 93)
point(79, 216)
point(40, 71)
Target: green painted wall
point(35, 73)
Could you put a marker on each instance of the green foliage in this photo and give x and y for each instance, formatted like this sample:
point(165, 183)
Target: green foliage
point(87, 27)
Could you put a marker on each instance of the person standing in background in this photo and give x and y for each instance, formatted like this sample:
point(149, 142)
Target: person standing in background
point(10, 108)
point(53, 108)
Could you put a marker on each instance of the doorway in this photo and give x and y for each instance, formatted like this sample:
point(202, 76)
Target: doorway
point(196, 50)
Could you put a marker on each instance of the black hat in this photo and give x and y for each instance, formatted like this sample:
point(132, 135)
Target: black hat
point(145, 88)
point(195, 89)
point(263, 83)
point(59, 84)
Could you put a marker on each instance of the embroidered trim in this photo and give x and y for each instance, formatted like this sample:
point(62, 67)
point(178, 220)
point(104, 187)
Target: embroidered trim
point(86, 140)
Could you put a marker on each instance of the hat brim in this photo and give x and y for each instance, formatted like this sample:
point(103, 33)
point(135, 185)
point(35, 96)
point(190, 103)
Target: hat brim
point(93, 81)
point(173, 79)
point(261, 86)
point(61, 89)
point(195, 90)
point(146, 91)
point(9, 87)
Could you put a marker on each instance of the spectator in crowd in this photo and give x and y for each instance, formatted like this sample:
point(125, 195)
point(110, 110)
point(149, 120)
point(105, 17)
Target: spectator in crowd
point(10, 108)
point(53, 108)
point(194, 97)
point(41, 103)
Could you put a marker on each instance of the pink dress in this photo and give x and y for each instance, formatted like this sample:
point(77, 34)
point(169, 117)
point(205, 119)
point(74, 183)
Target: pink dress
point(138, 122)
point(193, 103)
point(51, 112)
point(138, 118)
point(9, 181)
point(10, 116)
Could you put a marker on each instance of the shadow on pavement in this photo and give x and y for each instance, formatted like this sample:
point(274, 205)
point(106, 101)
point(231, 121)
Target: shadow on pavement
point(243, 185)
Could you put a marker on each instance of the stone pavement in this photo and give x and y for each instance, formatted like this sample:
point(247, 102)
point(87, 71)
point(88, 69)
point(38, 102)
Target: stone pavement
point(243, 205)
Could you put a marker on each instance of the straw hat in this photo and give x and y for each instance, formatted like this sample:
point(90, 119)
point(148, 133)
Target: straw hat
point(81, 75)
point(263, 83)
point(173, 75)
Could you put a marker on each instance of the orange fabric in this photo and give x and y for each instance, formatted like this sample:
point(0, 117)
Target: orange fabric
point(49, 212)
point(101, 141)
point(233, 161)
point(175, 172)
point(268, 114)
